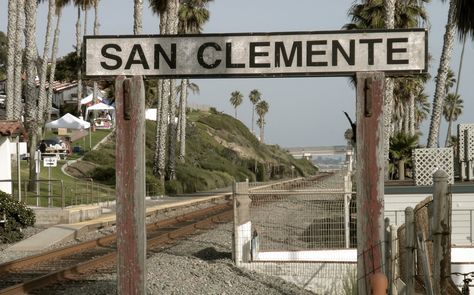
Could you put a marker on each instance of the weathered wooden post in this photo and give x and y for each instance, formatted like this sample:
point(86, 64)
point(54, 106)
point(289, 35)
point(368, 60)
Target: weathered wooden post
point(130, 184)
point(441, 233)
point(347, 213)
point(242, 223)
point(369, 177)
point(409, 251)
point(425, 262)
point(394, 260)
point(388, 250)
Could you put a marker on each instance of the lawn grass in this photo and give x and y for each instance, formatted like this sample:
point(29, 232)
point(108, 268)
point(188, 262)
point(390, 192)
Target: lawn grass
point(75, 191)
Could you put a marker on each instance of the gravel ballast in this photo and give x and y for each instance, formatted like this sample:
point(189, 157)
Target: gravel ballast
point(201, 264)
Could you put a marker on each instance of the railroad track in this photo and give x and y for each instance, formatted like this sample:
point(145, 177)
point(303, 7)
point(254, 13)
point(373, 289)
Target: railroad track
point(27, 274)
point(33, 273)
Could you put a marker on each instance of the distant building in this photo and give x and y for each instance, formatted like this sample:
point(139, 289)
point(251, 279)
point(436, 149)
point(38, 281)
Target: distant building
point(3, 85)
point(8, 130)
point(63, 92)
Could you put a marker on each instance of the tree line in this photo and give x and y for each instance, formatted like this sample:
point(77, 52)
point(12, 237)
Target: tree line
point(22, 60)
point(405, 103)
point(259, 106)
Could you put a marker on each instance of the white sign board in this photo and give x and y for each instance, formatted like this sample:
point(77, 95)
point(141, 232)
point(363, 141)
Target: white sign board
point(50, 162)
point(335, 53)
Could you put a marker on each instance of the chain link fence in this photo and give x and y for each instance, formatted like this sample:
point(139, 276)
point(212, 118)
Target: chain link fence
point(291, 230)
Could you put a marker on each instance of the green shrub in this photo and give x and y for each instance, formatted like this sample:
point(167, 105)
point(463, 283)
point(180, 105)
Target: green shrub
point(174, 187)
point(17, 216)
point(104, 174)
point(102, 156)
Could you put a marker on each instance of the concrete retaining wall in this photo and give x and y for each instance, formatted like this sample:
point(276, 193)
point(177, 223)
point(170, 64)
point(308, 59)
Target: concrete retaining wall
point(52, 216)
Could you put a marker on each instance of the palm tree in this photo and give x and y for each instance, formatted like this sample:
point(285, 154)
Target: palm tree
point(30, 93)
point(377, 14)
point(389, 20)
point(192, 15)
point(159, 7)
point(422, 108)
point(401, 146)
point(236, 99)
point(464, 18)
point(168, 11)
point(450, 81)
point(404, 110)
point(460, 15)
point(43, 107)
point(17, 91)
point(262, 109)
point(78, 4)
point(60, 4)
point(11, 31)
point(137, 17)
point(172, 25)
point(254, 97)
point(440, 89)
point(81, 5)
point(96, 32)
point(185, 85)
point(453, 106)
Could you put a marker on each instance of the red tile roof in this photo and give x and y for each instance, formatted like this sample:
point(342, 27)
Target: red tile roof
point(11, 128)
point(59, 86)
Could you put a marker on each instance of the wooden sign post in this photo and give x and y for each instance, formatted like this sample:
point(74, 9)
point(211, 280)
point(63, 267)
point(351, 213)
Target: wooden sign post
point(368, 54)
point(369, 178)
point(130, 185)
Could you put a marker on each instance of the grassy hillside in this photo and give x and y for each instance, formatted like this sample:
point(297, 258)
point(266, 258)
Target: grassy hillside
point(219, 150)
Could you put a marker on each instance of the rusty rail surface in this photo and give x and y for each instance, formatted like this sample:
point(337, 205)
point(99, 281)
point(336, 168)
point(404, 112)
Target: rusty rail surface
point(160, 233)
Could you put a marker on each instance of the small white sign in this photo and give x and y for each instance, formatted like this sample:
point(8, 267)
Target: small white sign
point(50, 162)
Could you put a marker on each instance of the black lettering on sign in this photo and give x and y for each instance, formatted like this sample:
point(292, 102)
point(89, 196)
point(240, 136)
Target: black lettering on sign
point(200, 55)
point(370, 48)
point(280, 52)
point(105, 53)
point(350, 58)
point(310, 53)
point(391, 51)
point(253, 54)
point(228, 58)
point(171, 61)
point(137, 48)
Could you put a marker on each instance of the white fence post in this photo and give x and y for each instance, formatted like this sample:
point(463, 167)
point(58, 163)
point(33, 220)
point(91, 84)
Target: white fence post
point(242, 223)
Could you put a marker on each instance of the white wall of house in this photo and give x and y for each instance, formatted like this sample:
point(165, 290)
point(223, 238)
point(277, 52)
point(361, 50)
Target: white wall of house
point(23, 150)
point(5, 165)
point(65, 96)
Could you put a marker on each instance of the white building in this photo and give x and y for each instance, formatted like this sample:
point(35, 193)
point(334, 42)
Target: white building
point(8, 130)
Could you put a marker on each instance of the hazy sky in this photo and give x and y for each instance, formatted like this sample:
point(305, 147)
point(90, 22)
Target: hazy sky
point(303, 111)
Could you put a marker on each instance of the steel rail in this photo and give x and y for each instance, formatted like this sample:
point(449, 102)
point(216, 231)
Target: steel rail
point(110, 258)
point(103, 241)
point(84, 267)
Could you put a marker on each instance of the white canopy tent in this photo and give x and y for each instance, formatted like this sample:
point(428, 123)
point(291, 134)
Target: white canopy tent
point(100, 107)
point(70, 122)
point(89, 98)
